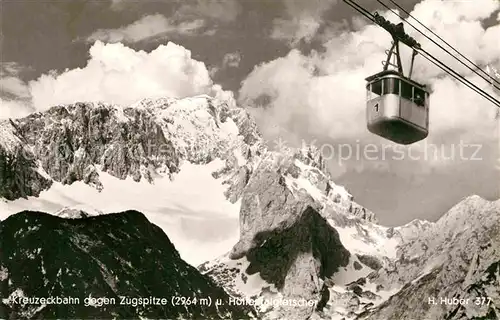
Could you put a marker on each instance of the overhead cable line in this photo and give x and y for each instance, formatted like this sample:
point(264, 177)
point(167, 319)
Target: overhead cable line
point(361, 10)
point(450, 71)
point(436, 61)
point(457, 76)
point(444, 41)
point(440, 46)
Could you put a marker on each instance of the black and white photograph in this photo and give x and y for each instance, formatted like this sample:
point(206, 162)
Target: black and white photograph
point(250, 159)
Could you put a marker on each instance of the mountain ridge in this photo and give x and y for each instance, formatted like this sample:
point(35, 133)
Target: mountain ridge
point(287, 205)
point(115, 257)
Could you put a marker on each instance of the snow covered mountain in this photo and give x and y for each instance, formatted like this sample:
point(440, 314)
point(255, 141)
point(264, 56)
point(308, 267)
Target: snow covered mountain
point(277, 230)
point(154, 157)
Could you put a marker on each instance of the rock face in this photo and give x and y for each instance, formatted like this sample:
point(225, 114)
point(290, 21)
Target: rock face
point(378, 272)
point(114, 256)
point(288, 242)
point(302, 237)
point(75, 142)
point(457, 258)
point(303, 256)
point(284, 237)
point(70, 140)
point(19, 176)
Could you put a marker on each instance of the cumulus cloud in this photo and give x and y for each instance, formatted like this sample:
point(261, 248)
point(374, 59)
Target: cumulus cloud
point(13, 109)
point(231, 60)
point(14, 86)
point(118, 74)
point(459, 23)
point(213, 70)
point(302, 21)
point(324, 94)
point(10, 68)
point(150, 26)
point(15, 96)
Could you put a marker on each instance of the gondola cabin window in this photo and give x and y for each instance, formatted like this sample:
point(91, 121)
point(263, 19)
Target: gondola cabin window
point(391, 86)
point(406, 91)
point(374, 90)
point(419, 97)
point(383, 87)
point(413, 94)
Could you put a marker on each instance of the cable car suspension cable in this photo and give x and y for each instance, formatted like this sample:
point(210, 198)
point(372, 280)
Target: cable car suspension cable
point(449, 70)
point(458, 77)
point(361, 10)
point(449, 45)
point(416, 46)
point(440, 46)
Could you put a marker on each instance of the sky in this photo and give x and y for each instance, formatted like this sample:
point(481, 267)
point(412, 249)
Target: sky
point(297, 65)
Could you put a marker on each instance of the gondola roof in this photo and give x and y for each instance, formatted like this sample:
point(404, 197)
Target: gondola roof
point(382, 74)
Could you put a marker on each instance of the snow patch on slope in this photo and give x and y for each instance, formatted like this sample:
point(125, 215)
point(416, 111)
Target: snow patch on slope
point(366, 239)
point(191, 209)
point(78, 211)
point(349, 274)
point(241, 284)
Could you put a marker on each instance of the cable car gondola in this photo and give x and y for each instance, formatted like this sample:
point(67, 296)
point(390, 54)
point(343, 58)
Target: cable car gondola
point(397, 107)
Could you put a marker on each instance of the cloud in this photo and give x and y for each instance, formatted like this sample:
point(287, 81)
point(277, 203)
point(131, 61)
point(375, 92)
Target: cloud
point(121, 75)
point(459, 23)
point(218, 10)
point(118, 5)
point(213, 70)
point(14, 86)
point(15, 96)
point(303, 20)
point(221, 10)
point(150, 26)
point(10, 69)
point(13, 109)
point(231, 60)
point(294, 30)
point(323, 94)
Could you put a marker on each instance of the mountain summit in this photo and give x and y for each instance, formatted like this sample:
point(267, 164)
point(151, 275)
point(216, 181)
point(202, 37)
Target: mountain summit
point(279, 234)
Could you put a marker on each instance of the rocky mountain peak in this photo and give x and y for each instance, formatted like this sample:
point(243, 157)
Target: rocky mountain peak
point(75, 142)
point(310, 155)
point(380, 265)
point(301, 236)
point(455, 257)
